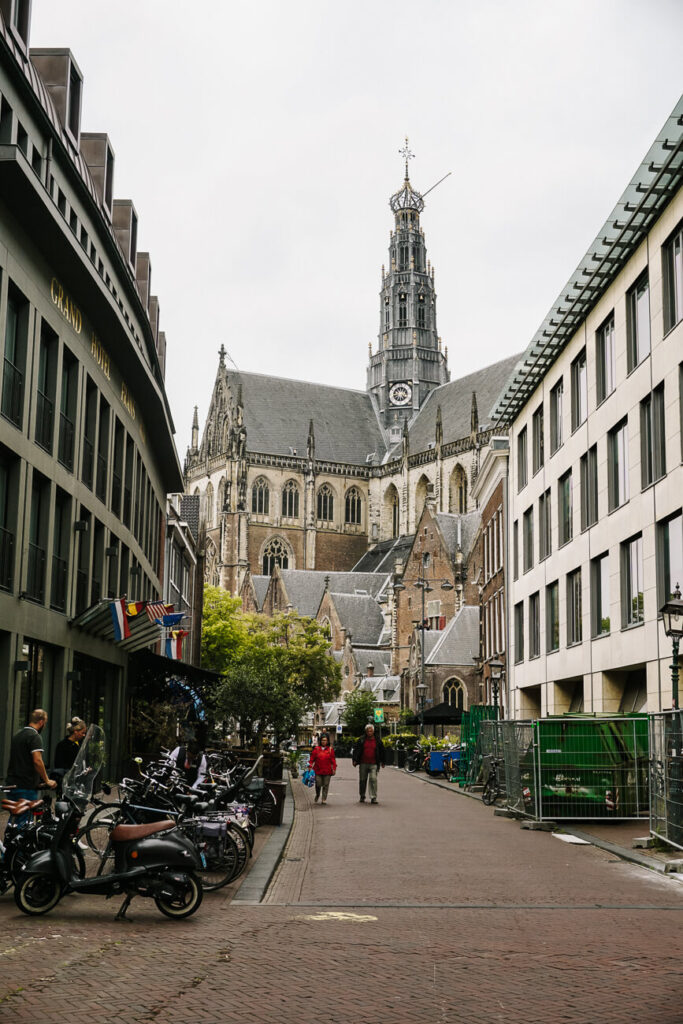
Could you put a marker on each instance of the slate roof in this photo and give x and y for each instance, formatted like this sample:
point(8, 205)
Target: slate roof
point(305, 587)
point(469, 523)
point(277, 413)
point(381, 659)
point(458, 643)
point(189, 512)
point(455, 399)
point(260, 589)
point(360, 615)
point(377, 686)
point(382, 557)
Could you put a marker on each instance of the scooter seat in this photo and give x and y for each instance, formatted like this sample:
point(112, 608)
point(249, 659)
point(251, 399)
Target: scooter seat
point(15, 806)
point(128, 833)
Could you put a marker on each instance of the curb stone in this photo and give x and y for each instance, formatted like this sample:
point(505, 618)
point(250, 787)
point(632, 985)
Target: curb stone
point(254, 886)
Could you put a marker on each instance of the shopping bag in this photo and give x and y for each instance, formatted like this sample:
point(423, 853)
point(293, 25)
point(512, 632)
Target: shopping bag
point(308, 777)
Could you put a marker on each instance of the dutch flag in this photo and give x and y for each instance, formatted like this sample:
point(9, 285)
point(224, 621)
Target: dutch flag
point(119, 618)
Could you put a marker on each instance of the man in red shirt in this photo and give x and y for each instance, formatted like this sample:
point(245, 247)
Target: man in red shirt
point(368, 754)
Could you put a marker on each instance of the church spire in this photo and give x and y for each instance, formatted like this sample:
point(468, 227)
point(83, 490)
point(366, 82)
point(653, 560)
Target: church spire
point(195, 430)
point(401, 380)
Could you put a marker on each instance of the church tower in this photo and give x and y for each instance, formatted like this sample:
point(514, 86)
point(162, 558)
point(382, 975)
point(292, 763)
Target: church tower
point(409, 362)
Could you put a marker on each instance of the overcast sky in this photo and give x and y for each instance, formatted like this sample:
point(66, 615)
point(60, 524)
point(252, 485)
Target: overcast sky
point(259, 142)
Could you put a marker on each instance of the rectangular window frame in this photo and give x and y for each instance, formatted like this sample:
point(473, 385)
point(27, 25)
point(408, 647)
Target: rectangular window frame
point(552, 617)
point(556, 416)
point(617, 464)
point(522, 461)
point(632, 600)
point(638, 332)
point(538, 455)
point(534, 625)
point(574, 608)
point(565, 509)
point(579, 379)
point(606, 365)
point(600, 596)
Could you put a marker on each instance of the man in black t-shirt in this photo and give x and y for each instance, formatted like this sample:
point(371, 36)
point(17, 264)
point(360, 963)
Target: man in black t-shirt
point(26, 769)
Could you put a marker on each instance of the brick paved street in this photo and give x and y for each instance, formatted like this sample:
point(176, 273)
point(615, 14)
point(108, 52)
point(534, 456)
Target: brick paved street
point(425, 908)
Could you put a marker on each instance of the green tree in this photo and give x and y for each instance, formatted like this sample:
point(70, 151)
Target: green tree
point(224, 629)
point(280, 668)
point(357, 711)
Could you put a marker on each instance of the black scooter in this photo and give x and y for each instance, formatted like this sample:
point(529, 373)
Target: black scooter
point(152, 860)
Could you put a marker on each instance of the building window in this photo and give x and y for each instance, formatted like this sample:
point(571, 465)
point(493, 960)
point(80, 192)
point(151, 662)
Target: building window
point(632, 604)
point(325, 504)
point(652, 437)
point(290, 500)
point(672, 260)
point(574, 631)
point(617, 453)
point(260, 497)
point(67, 411)
point(638, 322)
point(519, 632)
point(453, 694)
point(16, 333)
point(669, 557)
point(600, 610)
point(274, 553)
point(353, 507)
point(589, 488)
point(528, 539)
point(515, 550)
point(545, 544)
point(565, 508)
point(537, 425)
point(534, 625)
point(552, 617)
point(46, 384)
point(556, 402)
point(521, 460)
point(421, 315)
point(606, 359)
point(579, 390)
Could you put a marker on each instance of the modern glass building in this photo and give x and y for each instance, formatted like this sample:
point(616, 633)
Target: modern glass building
point(86, 437)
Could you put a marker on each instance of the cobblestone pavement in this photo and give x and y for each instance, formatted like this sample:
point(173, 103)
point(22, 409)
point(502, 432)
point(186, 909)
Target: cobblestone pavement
point(425, 908)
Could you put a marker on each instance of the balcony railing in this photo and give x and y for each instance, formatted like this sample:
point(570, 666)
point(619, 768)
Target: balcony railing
point(88, 462)
point(81, 591)
point(66, 442)
point(101, 484)
point(44, 421)
point(12, 393)
point(116, 494)
point(58, 591)
point(6, 559)
point(35, 580)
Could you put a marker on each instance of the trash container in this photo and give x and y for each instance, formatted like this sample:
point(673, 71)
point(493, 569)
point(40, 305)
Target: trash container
point(279, 790)
point(401, 756)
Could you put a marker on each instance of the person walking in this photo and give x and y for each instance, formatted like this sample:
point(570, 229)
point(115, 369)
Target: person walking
point(66, 750)
point(368, 755)
point(26, 768)
point(324, 764)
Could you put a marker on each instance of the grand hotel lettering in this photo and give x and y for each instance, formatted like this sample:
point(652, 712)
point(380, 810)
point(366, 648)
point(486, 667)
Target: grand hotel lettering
point(73, 316)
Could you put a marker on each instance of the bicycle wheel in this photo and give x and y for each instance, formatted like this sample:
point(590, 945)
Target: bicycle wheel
point(489, 793)
point(98, 826)
point(221, 865)
point(411, 765)
point(243, 848)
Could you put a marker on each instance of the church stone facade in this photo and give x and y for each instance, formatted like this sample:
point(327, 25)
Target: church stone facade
point(307, 476)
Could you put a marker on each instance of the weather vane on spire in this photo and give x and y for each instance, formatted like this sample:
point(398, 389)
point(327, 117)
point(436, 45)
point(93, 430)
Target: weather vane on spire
point(406, 154)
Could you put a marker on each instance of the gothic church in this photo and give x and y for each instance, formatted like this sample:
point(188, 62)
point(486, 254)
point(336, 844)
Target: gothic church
point(308, 476)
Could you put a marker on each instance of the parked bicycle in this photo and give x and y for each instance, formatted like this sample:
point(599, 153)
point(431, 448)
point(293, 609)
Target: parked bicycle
point(493, 769)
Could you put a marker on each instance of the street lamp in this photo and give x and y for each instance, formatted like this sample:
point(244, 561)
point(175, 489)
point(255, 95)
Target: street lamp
point(496, 670)
point(672, 617)
point(421, 691)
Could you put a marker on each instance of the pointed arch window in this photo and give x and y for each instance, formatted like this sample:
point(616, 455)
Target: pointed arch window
point(454, 694)
point(290, 500)
point(354, 507)
point(275, 553)
point(325, 504)
point(402, 310)
point(403, 257)
point(421, 312)
point(260, 497)
point(394, 515)
point(209, 506)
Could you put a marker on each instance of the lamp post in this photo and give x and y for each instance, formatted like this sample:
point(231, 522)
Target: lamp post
point(421, 691)
point(422, 582)
point(496, 669)
point(672, 617)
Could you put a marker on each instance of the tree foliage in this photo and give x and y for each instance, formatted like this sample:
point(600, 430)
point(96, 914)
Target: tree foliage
point(357, 711)
point(275, 669)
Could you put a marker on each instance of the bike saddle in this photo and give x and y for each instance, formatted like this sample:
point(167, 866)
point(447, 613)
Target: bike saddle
point(189, 799)
point(127, 833)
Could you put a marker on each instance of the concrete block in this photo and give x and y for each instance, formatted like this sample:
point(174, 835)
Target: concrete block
point(643, 843)
point(672, 867)
point(539, 826)
point(503, 812)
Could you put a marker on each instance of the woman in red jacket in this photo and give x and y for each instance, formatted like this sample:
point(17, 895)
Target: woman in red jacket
point(324, 764)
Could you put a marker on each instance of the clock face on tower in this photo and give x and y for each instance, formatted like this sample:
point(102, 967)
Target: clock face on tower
point(400, 394)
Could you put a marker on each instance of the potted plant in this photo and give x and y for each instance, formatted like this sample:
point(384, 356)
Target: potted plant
point(292, 760)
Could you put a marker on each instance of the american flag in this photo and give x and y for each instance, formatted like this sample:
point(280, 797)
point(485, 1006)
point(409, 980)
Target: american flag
point(157, 609)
